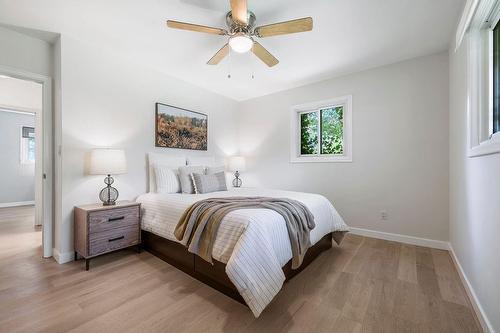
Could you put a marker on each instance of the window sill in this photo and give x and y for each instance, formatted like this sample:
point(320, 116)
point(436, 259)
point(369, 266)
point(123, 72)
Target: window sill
point(321, 159)
point(488, 147)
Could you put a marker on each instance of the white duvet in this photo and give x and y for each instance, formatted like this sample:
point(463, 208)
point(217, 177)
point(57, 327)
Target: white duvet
point(253, 243)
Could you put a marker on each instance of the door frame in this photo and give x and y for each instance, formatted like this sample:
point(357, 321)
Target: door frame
point(44, 156)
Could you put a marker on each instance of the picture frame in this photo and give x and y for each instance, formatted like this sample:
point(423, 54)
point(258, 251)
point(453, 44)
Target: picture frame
point(180, 128)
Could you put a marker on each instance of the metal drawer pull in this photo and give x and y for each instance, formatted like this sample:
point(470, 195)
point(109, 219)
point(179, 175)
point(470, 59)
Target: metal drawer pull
point(111, 219)
point(115, 239)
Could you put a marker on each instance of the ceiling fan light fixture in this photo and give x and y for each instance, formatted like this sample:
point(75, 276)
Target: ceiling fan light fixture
point(241, 31)
point(241, 43)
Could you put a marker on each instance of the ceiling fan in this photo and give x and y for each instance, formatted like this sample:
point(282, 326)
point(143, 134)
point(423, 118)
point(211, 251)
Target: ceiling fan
point(241, 31)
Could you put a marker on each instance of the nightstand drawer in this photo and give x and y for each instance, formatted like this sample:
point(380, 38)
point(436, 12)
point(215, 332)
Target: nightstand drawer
point(104, 220)
point(113, 239)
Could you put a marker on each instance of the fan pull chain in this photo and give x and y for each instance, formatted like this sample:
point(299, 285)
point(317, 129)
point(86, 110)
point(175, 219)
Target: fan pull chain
point(252, 64)
point(229, 64)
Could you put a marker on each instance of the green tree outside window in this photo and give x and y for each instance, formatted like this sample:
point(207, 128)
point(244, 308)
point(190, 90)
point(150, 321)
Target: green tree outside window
point(309, 133)
point(328, 137)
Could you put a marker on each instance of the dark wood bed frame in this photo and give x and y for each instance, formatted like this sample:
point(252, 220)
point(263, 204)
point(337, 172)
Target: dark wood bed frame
point(215, 275)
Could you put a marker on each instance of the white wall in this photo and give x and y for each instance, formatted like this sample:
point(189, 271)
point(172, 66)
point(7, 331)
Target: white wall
point(107, 101)
point(25, 52)
point(17, 180)
point(400, 147)
point(474, 199)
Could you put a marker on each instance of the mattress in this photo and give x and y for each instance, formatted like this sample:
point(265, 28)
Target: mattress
point(253, 243)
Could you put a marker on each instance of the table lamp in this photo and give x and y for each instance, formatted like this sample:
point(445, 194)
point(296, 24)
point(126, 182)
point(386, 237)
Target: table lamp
point(108, 162)
point(237, 164)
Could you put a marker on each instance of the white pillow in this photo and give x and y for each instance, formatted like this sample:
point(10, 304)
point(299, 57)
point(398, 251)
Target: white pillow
point(216, 169)
point(166, 159)
point(167, 180)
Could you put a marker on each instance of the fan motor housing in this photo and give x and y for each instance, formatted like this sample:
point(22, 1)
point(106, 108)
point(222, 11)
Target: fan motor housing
point(235, 27)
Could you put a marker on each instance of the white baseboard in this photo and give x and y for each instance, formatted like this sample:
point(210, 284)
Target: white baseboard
point(15, 204)
point(63, 258)
point(476, 305)
point(435, 244)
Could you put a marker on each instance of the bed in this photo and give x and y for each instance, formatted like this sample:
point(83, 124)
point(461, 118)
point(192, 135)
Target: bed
point(252, 253)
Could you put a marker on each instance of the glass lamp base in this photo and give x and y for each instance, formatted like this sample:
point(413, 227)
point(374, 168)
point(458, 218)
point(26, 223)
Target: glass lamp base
point(109, 194)
point(237, 182)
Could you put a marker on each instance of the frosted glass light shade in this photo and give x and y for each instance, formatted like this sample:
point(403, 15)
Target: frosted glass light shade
point(237, 163)
point(107, 162)
point(241, 43)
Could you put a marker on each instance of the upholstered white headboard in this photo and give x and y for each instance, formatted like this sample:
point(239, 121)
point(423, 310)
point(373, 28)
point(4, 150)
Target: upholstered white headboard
point(209, 161)
point(162, 159)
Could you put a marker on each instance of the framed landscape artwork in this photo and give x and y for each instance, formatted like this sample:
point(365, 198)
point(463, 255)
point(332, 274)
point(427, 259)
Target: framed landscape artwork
point(180, 128)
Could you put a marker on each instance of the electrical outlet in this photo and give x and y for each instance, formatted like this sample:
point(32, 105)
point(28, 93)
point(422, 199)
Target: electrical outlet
point(383, 215)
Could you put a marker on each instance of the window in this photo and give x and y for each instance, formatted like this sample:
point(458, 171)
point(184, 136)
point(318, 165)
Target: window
point(27, 145)
point(496, 77)
point(321, 131)
point(483, 78)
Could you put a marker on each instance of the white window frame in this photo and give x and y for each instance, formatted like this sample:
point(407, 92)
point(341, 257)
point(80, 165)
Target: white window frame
point(297, 110)
point(479, 35)
point(23, 147)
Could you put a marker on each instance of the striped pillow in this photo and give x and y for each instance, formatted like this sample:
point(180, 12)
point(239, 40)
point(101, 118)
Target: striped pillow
point(185, 178)
point(167, 180)
point(220, 168)
point(209, 183)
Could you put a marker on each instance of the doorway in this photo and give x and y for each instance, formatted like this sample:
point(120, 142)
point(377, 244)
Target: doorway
point(26, 159)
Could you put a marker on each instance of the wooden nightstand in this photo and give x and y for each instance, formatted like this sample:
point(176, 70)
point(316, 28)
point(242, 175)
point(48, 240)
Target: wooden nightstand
point(101, 229)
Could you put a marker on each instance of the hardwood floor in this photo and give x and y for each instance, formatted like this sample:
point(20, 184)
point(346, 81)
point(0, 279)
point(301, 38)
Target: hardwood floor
point(367, 285)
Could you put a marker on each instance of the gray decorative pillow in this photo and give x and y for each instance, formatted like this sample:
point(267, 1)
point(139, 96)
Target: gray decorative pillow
point(209, 183)
point(185, 177)
point(220, 168)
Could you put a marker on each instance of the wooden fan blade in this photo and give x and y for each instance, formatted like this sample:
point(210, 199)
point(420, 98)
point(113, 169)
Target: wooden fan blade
point(287, 27)
point(239, 11)
point(264, 54)
point(195, 27)
point(221, 54)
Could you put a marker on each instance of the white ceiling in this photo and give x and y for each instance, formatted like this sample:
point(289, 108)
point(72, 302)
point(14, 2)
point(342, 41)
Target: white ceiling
point(348, 36)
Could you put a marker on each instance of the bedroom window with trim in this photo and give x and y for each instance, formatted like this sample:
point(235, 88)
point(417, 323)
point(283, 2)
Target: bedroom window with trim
point(27, 145)
point(495, 126)
point(483, 80)
point(321, 131)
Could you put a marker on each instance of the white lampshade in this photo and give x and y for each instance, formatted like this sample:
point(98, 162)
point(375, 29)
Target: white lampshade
point(107, 162)
point(237, 163)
